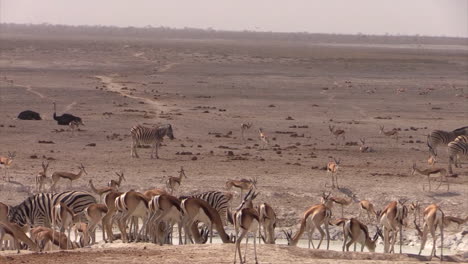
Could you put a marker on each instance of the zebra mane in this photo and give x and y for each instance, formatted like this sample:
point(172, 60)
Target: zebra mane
point(460, 129)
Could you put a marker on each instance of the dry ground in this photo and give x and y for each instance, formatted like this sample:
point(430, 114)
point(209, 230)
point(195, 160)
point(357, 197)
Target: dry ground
point(206, 89)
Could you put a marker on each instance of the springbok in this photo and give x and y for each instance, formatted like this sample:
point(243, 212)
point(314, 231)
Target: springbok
point(365, 205)
point(245, 127)
point(441, 172)
point(332, 169)
point(116, 184)
point(263, 138)
point(5, 163)
point(267, 218)
point(391, 133)
point(56, 176)
point(173, 183)
point(41, 178)
point(130, 204)
point(433, 218)
point(358, 233)
point(164, 208)
point(337, 133)
point(392, 218)
point(100, 191)
point(242, 184)
point(17, 234)
point(108, 219)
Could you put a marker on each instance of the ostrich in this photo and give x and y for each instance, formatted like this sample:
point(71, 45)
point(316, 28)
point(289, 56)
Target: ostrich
point(65, 119)
point(29, 115)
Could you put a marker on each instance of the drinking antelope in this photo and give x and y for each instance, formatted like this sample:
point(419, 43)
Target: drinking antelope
point(431, 172)
point(16, 233)
point(95, 213)
point(108, 219)
point(173, 183)
point(392, 133)
point(263, 138)
point(56, 176)
point(337, 133)
point(332, 169)
point(244, 127)
point(433, 218)
point(130, 204)
point(358, 233)
point(242, 184)
point(314, 217)
point(41, 178)
point(44, 236)
point(116, 184)
point(267, 218)
point(164, 208)
point(5, 163)
point(392, 218)
point(64, 217)
point(245, 219)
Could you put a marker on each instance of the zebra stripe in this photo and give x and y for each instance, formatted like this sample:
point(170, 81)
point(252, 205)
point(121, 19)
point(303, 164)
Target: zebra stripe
point(455, 149)
point(217, 200)
point(36, 210)
point(440, 137)
point(149, 136)
point(463, 138)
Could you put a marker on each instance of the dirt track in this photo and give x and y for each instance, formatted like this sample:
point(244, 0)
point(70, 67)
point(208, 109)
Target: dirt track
point(206, 89)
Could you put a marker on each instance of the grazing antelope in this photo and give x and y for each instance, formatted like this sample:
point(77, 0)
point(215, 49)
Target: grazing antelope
point(95, 213)
point(430, 172)
point(367, 206)
point(267, 218)
point(131, 204)
point(244, 127)
point(314, 217)
point(5, 163)
point(415, 207)
point(263, 138)
point(116, 184)
point(242, 184)
point(365, 148)
point(108, 219)
point(332, 169)
point(41, 178)
point(455, 149)
point(100, 191)
point(164, 208)
point(173, 183)
point(358, 233)
point(341, 201)
point(65, 218)
point(196, 209)
point(392, 133)
point(246, 219)
point(337, 133)
point(56, 176)
point(13, 231)
point(392, 218)
point(433, 218)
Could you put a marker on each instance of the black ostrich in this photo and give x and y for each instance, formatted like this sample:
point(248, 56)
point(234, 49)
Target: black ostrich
point(29, 115)
point(65, 119)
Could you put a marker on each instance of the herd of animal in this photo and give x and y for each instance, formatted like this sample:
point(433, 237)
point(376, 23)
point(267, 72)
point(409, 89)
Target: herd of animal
point(49, 217)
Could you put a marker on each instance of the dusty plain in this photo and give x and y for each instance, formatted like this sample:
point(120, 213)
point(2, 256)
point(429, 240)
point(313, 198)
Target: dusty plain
point(206, 88)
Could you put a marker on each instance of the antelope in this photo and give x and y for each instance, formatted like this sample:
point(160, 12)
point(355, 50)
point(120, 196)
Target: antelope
point(116, 184)
point(64, 217)
point(130, 204)
point(244, 127)
point(392, 218)
point(364, 148)
point(263, 138)
point(246, 219)
point(359, 233)
point(342, 201)
point(74, 125)
point(433, 218)
point(452, 219)
point(95, 213)
point(100, 191)
point(82, 236)
point(242, 184)
point(267, 219)
point(4, 212)
point(391, 133)
point(429, 172)
point(196, 209)
point(173, 183)
point(415, 207)
point(107, 220)
point(337, 133)
point(14, 232)
point(43, 236)
point(5, 163)
point(153, 192)
point(332, 169)
point(56, 176)
point(314, 217)
point(367, 206)
point(41, 178)
point(164, 208)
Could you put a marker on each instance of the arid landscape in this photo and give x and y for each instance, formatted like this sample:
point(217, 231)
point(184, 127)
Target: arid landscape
point(293, 89)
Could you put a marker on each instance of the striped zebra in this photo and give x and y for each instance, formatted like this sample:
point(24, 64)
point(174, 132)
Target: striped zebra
point(150, 136)
point(218, 200)
point(456, 149)
point(36, 210)
point(440, 137)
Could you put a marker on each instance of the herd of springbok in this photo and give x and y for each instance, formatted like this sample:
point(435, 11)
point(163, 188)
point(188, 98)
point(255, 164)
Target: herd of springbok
point(196, 216)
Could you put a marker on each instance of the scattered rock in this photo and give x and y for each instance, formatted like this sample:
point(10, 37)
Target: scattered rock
point(230, 153)
point(33, 156)
point(194, 158)
point(46, 142)
point(91, 145)
point(289, 118)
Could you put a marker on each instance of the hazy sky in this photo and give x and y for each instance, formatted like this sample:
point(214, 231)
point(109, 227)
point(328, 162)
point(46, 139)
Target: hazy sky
point(424, 17)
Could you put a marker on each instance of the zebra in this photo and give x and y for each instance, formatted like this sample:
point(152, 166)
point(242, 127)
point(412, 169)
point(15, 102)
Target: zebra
point(36, 210)
point(440, 137)
point(456, 148)
point(218, 200)
point(146, 135)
